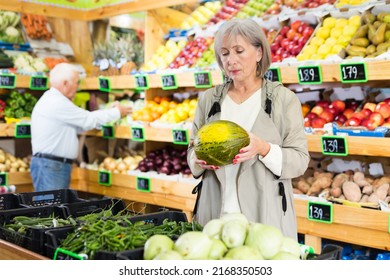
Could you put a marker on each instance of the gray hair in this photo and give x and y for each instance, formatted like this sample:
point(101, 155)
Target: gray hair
point(62, 72)
point(251, 31)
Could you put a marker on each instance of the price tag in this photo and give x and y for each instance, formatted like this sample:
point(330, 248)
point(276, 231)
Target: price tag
point(320, 212)
point(104, 178)
point(38, 82)
point(353, 73)
point(108, 131)
point(309, 75)
point(180, 136)
point(169, 81)
point(273, 74)
point(137, 134)
point(203, 79)
point(334, 145)
point(7, 81)
point(23, 130)
point(62, 254)
point(3, 179)
point(141, 82)
point(104, 84)
point(143, 184)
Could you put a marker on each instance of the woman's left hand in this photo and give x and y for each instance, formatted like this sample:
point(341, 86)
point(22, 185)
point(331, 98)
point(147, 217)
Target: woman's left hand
point(256, 147)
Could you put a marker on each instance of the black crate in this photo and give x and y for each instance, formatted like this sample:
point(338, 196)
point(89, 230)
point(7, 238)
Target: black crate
point(136, 254)
point(53, 197)
point(55, 236)
point(9, 201)
point(329, 252)
point(79, 209)
point(33, 239)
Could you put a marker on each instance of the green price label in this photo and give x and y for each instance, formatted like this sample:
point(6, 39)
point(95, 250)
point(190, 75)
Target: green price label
point(180, 136)
point(143, 184)
point(273, 74)
point(7, 81)
point(138, 133)
point(104, 178)
point(38, 82)
point(309, 75)
point(169, 81)
point(353, 72)
point(22, 130)
point(108, 131)
point(104, 84)
point(203, 79)
point(3, 179)
point(320, 212)
point(334, 145)
point(62, 254)
point(141, 82)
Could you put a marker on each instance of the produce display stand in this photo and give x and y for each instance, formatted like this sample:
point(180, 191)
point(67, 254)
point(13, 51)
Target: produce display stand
point(9, 251)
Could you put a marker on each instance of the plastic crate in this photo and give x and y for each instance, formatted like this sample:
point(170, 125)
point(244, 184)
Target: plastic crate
point(53, 197)
point(159, 217)
point(136, 254)
point(33, 239)
point(9, 201)
point(78, 209)
point(53, 238)
point(329, 252)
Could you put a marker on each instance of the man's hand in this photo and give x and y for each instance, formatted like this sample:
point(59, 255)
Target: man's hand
point(124, 110)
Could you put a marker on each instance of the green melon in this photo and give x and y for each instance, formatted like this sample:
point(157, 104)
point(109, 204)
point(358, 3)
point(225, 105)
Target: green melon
point(218, 142)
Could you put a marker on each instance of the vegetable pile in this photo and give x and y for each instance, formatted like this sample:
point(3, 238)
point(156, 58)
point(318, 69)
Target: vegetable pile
point(27, 64)
point(9, 28)
point(10, 163)
point(230, 237)
point(19, 105)
point(36, 27)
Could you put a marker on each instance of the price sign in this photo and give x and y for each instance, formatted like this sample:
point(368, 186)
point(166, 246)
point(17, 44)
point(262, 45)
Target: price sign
point(137, 134)
point(169, 81)
point(3, 179)
point(104, 178)
point(104, 84)
point(143, 184)
point(309, 75)
point(108, 131)
point(273, 74)
point(62, 254)
point(7, 81)
point(320, 212)
point(334, 145)
point(353, 73)
point(180, 136)
point(141, 82)
point(38, 82)
point(22, 130)
point(203, 80)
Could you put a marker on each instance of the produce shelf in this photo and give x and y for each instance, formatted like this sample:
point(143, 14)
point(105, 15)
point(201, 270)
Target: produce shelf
point(9, 251)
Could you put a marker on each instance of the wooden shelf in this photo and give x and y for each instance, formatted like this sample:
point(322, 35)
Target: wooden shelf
point(353, 225)
point(9, 251)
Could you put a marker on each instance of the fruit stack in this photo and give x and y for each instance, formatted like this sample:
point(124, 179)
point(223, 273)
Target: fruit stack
point(201, 15)
point(372, 38)
point(254, 8)
point(332, 37)
point(207, 58)
point(342, 3)
point(164, 55)
point(290, 40)
point(228, 11)
point(270, 34)
point(310, 4)
point(191, 52)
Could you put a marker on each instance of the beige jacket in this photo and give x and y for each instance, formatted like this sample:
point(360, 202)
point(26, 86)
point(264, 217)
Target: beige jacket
point(257, 187)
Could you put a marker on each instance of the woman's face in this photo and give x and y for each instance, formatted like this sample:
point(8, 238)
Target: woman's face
point(239, 58)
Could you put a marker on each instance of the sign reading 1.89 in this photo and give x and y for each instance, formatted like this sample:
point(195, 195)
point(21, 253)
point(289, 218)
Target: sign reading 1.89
point(309, 75)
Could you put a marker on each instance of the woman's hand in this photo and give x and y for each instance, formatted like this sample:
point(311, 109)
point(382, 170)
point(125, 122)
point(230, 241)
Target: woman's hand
point(257, 146)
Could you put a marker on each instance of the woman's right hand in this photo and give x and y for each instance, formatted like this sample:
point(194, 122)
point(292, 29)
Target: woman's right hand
point(204, 165)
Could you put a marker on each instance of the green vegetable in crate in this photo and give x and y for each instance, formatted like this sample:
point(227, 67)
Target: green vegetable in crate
point(218, 142)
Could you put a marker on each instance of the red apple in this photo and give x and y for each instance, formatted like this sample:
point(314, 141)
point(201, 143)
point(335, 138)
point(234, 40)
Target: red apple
point(359, 115)
point(284, 43)
point(339, 105)
point(291, 33)
point(278, 39)
point(307, 31)
point(352, 104)
point(323, 103)
point(366, 112)
point(369, 105)
point(348, 112)
point(387, 100)
point(383, 108)
point(284, 30)
point(317, 110)
point(311, 115)
point(332, 109)
point(327, 116)
point(295, 25)
point(340, 119)
point(307, 122)
point(274, 47)
point(369, 124)
point(377, 118)
point(352, 122)
point(318, 122)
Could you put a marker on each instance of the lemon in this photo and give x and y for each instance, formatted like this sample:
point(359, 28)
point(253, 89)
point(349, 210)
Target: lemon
point(323, 32)
point(329, 22)
point(336, 48)
point(354, 20)
point(324, 50)
point(330, 41)
point(336, 32)
point(302, 56)
point(317, 41)
point(344, 40)
point(310, 50)
point(317, 56)
point(341, 22)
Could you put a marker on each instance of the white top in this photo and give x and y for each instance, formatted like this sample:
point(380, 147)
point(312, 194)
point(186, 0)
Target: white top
point(55, 122)
point(245, 116)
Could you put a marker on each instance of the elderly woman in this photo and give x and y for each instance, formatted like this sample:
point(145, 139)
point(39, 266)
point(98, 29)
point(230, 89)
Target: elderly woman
point(258, 183)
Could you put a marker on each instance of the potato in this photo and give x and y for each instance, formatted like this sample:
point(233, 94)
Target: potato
point(352, 191)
